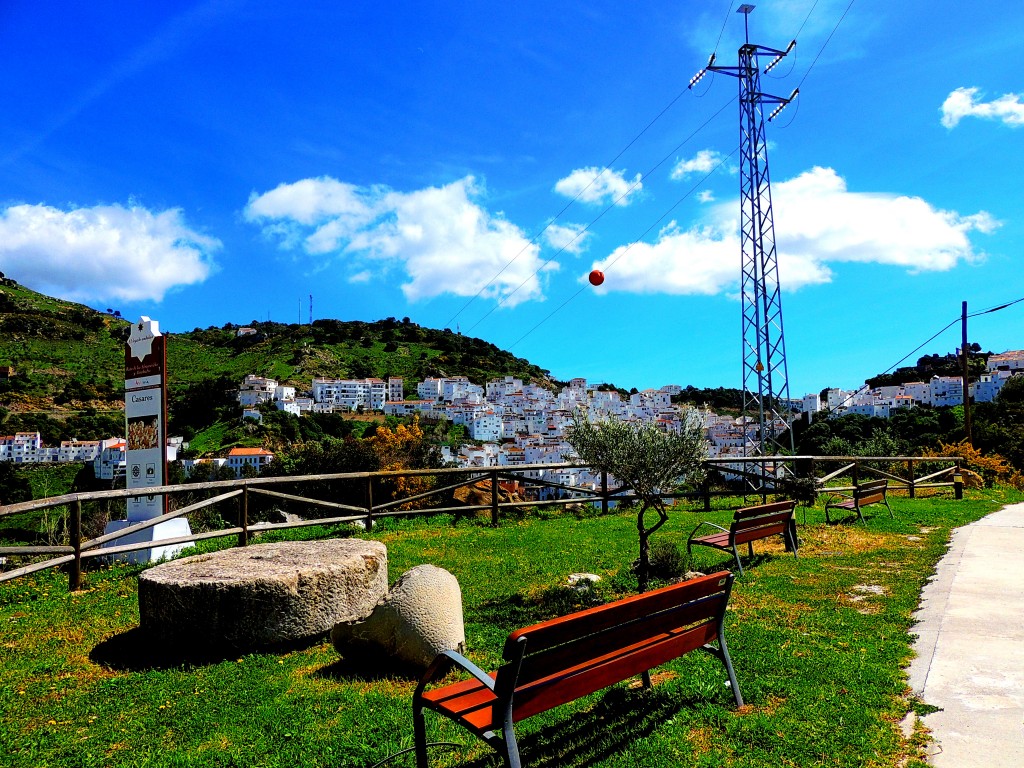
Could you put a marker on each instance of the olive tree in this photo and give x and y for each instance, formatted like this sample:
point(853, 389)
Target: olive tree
point(648, 460)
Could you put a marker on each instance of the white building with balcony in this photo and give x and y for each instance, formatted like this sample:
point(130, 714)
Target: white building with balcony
point(947, 390)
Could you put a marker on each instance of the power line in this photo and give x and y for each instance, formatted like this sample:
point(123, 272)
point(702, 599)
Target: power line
point(806, 19)
point(557, 216)
point(724, 22)
point(625, 250)
point(829, 38)
point(609, 207)
point(628, 191)
point(902, 359)
point(997, 308)
point(929, 340)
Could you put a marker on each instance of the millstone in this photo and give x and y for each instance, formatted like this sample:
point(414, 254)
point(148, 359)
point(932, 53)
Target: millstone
point(262, 595)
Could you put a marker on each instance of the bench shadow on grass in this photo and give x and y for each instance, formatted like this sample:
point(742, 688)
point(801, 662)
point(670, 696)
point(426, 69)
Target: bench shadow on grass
point(620, 718)
point(134, 651)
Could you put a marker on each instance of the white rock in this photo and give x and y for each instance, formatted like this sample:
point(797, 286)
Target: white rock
point(420, 617)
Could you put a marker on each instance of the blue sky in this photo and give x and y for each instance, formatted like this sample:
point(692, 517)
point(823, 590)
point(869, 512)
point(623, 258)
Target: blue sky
point(219, 162)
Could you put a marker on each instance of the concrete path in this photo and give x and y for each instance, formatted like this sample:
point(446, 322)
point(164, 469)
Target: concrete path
point(970, 647)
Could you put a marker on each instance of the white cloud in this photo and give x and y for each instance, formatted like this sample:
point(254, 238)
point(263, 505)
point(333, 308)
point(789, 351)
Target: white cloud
point(105, 253)
point(568, 237)
point(817, 217)
point(818, 223)
point(361, 277)
point(444, 240)
point(706, 196)
point(963, 102)
point(705, 161)
point(596, 185)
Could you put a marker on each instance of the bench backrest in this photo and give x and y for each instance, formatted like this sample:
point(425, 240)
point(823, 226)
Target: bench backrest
point(752, 523)
point(558, 661)
point(870, 492)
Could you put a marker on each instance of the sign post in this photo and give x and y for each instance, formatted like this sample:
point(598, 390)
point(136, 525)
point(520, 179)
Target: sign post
point(145, 409)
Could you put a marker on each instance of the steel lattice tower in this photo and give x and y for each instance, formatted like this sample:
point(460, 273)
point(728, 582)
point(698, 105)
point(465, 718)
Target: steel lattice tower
point(765, 375)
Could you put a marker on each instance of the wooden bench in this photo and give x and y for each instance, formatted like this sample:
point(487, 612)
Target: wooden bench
point(561, 660)
point(748, 525)
point(863, 495)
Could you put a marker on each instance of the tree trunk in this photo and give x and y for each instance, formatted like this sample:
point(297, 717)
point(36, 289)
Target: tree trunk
point(643, 566)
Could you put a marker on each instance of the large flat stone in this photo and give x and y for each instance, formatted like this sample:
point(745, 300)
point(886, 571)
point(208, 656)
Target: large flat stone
point(262, 595)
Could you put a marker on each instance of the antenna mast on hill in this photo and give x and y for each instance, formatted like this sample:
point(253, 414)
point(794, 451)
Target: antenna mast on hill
point(311, 309)
point(766, 406)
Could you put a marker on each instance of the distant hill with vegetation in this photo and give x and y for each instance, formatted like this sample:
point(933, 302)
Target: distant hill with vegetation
point(65, 365)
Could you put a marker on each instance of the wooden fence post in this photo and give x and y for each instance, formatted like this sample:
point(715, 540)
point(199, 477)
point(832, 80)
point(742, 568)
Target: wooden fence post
point(243, 517)
point(913, 481)
point(494, 498)
point(369, 502)
point(705, 489)
point(958, 482)
point(855, 473)
point(604, 492)
point(75, 526)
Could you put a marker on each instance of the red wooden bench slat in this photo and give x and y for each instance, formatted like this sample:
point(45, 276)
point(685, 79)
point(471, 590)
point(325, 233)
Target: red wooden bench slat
point(720, 540)
point(473, 706)
point(548, 634)
point(762, 520)
point(585, 679)
point(764, 509)
point(764, 532)
point(616, 639)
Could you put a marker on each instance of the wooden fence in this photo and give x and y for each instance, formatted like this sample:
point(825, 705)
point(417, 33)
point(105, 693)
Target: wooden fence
point(759, 476)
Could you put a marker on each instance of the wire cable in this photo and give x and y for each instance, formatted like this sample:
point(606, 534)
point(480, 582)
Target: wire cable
point(566, 207)
point(827, 40)
point(806, 19)
point(609, 207)
point(625, 250)
point(892, 367)
point(996, 308)
point(724, 22)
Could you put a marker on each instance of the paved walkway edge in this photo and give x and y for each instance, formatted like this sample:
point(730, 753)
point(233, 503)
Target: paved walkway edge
point(970, 646)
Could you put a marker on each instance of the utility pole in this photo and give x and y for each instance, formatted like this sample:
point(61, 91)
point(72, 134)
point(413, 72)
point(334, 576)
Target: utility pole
point(765, 375)
point(965, 373)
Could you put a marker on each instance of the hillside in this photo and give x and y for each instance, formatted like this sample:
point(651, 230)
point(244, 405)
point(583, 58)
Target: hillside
point(68, 363)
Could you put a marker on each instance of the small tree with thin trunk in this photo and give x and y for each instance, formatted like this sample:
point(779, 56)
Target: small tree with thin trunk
point(646, 459)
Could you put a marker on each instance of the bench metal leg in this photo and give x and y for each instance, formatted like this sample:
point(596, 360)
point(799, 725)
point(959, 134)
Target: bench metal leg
point(791, 538)
point(511, 753)
point(737, 696)
point(722, 654)
point(736, 554)
point(419, 736)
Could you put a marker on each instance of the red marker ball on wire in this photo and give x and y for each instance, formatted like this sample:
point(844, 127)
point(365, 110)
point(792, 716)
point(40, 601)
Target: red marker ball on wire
point(596, 277)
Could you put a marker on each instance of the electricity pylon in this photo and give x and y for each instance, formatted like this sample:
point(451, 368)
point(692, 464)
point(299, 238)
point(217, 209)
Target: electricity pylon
point(765, 375)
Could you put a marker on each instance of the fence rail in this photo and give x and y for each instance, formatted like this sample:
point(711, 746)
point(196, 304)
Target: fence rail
point(773, 475)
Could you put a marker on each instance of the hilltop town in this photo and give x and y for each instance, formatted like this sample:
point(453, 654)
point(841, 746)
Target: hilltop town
point(510, 422)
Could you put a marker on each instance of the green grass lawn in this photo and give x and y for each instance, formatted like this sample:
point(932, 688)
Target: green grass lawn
point(818, 644)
